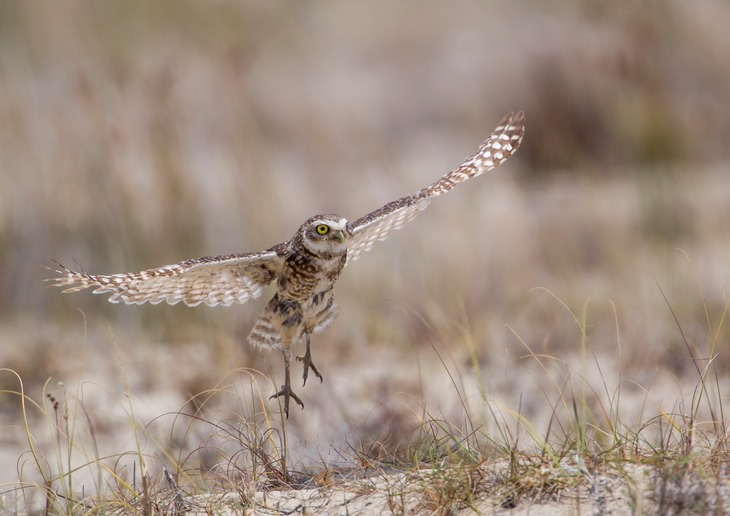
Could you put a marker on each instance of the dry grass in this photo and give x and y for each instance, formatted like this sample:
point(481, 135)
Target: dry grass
point(552, 337)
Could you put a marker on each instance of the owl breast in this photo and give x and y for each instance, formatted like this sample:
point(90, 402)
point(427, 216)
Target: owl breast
point(304, 276)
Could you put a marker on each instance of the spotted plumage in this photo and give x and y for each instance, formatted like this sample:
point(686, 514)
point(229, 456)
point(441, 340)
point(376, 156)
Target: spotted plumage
point(305, 268)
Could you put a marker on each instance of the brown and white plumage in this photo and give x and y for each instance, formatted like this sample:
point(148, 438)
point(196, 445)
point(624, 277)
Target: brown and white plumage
point(305, 268)
point(213, 280)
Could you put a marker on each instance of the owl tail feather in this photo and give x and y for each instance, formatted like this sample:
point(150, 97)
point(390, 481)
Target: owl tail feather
point(264, 335)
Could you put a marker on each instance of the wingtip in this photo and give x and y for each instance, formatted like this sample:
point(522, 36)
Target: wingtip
point(514, 118)
point(62, 269)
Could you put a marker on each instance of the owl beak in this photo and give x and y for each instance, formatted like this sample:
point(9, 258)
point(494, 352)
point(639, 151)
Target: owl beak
point(339, 235)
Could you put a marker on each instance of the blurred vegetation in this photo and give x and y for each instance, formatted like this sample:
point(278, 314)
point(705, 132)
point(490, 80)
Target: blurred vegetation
point(141, 133)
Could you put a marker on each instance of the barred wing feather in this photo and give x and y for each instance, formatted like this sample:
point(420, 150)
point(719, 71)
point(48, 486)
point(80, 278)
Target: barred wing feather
point(212, 280)
point(376, 226)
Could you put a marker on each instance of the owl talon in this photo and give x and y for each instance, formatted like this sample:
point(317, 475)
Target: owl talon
point(308, 364)
point(287, 393)
point(306, 360)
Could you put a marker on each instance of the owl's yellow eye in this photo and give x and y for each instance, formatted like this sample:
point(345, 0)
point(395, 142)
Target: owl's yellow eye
point(323, 229)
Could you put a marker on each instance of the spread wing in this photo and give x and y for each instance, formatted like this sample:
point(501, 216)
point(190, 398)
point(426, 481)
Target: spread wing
point(213, 280)
point(376, 226)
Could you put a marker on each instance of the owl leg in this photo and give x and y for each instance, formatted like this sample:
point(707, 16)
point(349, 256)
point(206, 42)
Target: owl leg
point(286, 388)
point(306, 360)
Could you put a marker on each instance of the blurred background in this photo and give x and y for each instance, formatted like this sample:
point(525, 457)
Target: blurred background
point(136, 134)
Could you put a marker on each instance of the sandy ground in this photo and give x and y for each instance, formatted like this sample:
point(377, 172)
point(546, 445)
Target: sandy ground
point(565, 490)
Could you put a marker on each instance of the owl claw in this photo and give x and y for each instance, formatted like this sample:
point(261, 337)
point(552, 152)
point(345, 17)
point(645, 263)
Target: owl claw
point(306, 360)
point(287, 393)
point(286, 388)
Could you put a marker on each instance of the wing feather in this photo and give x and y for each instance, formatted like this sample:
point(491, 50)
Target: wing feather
point(377, 225)
point(213, 280)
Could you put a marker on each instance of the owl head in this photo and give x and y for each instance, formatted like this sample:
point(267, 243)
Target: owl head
point(325, 234)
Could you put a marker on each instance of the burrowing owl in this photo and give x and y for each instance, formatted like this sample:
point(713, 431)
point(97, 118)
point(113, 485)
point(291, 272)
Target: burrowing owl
point(305, 267)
